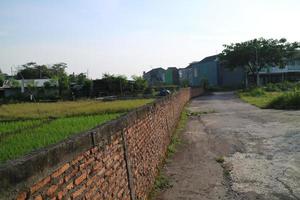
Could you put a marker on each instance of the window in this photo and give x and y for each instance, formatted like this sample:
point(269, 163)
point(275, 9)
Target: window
point(195, 72)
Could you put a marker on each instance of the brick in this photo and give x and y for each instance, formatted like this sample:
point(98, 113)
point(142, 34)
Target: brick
point(92, 180)
point(60, 195)
point(39, 185)
point(60, 170)
point(90, 193)
point(116, 165)
point(87, 153)
point(109, 172)
point(39, 197)
point(70, 186)
point(21, 196)
point(97, 166)
point(78, 192)
point(75, 161)
point(94, 150)
point(52, 190)
point(101, 172)
point(97, 196)
point(80, 178)
point(116, 157)
point(120, 193)
point(69, 176)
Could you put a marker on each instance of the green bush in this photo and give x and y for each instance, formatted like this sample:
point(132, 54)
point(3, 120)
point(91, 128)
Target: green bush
point(286, 86)
point(271, 87)
point(256, 92)
point(289, 100)
point(282, 87)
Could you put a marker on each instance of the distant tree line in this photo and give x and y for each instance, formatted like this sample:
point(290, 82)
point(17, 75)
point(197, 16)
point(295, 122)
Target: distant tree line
point(119, 85)
point(73, 86)
point(2, 78)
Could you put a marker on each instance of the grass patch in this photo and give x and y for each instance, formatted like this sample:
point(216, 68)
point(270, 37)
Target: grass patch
point(23, 111)
point(175, 140)
point(261, 101)
point(161, 183)
point(161, 180)
point(220, 159)
point(15, 145)
point(226, 172)
point(284, 95)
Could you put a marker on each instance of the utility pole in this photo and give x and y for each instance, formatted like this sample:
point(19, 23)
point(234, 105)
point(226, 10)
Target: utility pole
point(256, 63)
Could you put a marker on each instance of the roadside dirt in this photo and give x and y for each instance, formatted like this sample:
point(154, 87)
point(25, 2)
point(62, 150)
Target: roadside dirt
point(261, 151)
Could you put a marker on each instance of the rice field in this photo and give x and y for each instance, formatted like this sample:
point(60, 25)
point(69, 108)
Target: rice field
point(23, 111)
point(27, 126)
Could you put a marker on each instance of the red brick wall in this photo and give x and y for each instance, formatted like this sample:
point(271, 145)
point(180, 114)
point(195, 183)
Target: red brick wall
point(148, 139)
point(94, 174)
point(121, 162)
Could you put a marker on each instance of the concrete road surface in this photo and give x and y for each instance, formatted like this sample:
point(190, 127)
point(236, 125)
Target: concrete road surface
point(261, 151)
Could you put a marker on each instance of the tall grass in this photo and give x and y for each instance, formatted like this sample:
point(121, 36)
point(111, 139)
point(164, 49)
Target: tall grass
point(15, 145)
point(285, 95)
point(260, 101)
point(289, 100)
point(23, 111)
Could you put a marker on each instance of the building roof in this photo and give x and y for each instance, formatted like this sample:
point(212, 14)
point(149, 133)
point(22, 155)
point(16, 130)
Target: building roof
point(36, 82)
point(209, 59)
point(155, 70)
point(206, 59)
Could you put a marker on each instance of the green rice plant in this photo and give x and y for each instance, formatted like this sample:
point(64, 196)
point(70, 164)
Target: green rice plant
point(15, 145)
point(15, 126)
point(22, 111)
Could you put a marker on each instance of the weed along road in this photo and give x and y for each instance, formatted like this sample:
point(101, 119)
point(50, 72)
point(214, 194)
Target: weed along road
point(233, 150)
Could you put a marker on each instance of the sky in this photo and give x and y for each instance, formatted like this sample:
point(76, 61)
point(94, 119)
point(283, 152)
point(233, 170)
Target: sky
point(127, 37)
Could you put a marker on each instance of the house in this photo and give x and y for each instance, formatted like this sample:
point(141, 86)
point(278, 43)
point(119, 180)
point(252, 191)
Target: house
point(155, 76)
point(211, 71)
point(185, 75)
point(26, 87)
point(172, 76)
point(291, 72)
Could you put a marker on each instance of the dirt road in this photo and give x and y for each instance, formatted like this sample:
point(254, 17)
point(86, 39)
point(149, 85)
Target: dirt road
point(261, 151)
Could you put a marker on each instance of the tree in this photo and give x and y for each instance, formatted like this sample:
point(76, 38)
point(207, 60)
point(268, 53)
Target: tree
point(115, 84)
point(140, 83)
point(256, 54)
point(32, 70)
point(2, 78)
point(123, 82)
point(59, 69)
point(28, 71)
point(80, 84)
point(14, 83)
